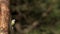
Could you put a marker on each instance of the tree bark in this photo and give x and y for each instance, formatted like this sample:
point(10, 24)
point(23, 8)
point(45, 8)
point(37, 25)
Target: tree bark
point(4, 16)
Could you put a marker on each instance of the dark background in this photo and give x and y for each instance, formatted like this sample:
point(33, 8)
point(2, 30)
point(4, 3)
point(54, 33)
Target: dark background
point(46, 12)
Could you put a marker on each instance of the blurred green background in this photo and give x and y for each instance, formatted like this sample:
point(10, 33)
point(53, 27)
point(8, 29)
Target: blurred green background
point(47, 12)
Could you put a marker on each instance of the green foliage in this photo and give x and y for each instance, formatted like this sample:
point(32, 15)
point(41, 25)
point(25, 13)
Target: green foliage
point(35, 8)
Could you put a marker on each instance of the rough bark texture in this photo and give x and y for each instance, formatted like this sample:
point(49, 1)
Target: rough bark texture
point(4, 16)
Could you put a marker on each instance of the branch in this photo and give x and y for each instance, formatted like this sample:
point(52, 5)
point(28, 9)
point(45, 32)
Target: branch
point(4, 16)
point(29, 28)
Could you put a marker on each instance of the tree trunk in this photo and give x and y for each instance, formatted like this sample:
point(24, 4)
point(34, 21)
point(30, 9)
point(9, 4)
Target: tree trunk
point(4, 16)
